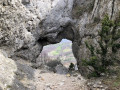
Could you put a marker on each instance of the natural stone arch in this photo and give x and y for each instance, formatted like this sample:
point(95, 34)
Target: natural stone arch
point(69, 32)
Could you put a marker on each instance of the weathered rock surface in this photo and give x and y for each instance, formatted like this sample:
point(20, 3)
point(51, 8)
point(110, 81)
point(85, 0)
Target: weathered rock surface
point(51, 81)
point(18, 75)
point(89, 23)
point(15, 75)
point(27, 25)
point(7, 71)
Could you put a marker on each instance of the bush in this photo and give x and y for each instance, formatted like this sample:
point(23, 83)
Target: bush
point(79, 10)
point(71, 67)
point(96, 20)
point(104, 56)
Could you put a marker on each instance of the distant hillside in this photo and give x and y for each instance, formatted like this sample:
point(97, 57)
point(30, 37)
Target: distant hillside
point(61, 50)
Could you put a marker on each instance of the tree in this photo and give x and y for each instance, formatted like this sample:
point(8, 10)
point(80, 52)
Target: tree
point(104, 56)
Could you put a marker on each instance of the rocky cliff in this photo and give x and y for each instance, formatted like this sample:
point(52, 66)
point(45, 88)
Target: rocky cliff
point(89, 15)
point(28, 25)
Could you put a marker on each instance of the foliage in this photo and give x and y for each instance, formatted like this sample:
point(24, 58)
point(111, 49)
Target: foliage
point(104, 56)
point(79, 10)
point(71, 67)
point(96, 20)
point(54, 53)
point(67, 50)
point(57, 51)
point(9, 86)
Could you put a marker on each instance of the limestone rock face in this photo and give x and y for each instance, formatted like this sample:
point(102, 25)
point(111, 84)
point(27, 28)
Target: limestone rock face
point(25, 27)
point(88, 24)
point(28, 25)
point(16, 23)
point(7, 72)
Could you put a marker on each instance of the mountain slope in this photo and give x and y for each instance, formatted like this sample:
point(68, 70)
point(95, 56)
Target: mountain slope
point(62, 50)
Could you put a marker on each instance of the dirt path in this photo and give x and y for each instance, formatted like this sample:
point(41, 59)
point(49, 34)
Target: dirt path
point(53, 81)
point(27, 77)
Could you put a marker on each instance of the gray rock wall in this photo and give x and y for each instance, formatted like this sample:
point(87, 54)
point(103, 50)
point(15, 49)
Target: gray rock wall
point(28, 25)
point(89, 23)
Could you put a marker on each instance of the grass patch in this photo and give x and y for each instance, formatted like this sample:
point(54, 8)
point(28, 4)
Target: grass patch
point(54, 53)
point(67, 50)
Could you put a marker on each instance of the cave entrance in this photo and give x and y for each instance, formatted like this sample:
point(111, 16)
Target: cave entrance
point(59, 52)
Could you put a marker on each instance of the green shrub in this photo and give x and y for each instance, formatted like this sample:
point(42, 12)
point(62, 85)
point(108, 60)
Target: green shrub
point(79, 10)
point(71, 67)
point(96, 20)
point(105, 54)
point(9, 86)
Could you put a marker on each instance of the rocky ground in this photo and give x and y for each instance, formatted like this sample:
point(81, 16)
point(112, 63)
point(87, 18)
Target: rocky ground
point(54, 81)
point(44, 79)
point(31, 78)
point(22, 75)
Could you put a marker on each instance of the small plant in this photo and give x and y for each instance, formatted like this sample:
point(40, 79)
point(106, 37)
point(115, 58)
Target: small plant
point(91, 6)
point(96, 20)
point(71, 67)
point(80, 10)
point(105, 54)
point(9, 86)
